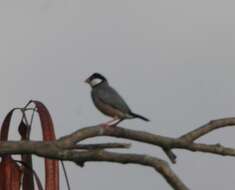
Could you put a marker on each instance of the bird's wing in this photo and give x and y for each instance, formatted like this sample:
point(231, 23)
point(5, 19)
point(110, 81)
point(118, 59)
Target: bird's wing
point(110, 96)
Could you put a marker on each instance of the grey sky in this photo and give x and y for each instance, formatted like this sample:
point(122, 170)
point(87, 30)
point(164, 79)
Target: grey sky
point(173, 61)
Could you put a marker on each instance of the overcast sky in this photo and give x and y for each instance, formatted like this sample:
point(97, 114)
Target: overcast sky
point(173, 61)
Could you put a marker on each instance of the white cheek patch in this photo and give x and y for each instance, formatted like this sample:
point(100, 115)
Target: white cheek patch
point(95, 82)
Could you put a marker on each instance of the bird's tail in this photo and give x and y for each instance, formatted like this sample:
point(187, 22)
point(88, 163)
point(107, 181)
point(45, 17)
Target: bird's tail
point(139, 116)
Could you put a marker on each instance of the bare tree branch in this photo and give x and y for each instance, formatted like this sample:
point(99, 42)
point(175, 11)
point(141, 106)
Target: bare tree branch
point(118, 132)
point(208, 127)
point(145, 137)
point(101, 146)
point(63, 148)
point(52, 150)
point(159, 165)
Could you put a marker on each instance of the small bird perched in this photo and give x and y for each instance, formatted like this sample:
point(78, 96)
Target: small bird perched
point(108, 101)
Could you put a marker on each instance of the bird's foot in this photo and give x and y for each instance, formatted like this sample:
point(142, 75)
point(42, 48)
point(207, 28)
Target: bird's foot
point(110, 123)
point(107, 125)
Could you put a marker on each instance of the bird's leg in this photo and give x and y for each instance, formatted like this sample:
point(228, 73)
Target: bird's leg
point(109, 123)
point(119, 121)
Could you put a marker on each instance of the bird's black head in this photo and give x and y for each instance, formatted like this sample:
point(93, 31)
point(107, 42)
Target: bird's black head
point(95, 79)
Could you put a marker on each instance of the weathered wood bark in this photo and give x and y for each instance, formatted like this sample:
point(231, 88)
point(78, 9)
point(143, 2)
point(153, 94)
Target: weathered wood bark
point(70, 148)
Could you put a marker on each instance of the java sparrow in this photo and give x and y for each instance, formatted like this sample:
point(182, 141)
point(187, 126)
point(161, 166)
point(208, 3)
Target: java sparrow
point(108, 101)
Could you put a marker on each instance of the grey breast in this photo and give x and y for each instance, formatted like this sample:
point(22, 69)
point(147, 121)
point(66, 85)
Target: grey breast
point(106, 98)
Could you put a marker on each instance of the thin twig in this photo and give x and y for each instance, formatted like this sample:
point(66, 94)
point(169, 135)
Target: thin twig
point(65, 175)
point(208, 127)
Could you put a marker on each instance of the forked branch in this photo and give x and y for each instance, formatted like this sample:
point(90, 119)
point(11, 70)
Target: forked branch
point(67, 147)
